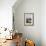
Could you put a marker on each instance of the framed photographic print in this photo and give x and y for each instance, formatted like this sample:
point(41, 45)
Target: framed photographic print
point(28, 19)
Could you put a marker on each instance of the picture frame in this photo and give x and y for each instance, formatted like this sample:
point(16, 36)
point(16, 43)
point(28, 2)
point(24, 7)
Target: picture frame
point(28, 19)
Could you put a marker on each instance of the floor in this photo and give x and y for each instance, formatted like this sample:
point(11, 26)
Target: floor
point(9, 43)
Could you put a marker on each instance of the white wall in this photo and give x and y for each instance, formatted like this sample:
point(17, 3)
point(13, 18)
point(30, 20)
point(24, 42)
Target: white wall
point(43, 22)
point(31, 32)
point(6, 13)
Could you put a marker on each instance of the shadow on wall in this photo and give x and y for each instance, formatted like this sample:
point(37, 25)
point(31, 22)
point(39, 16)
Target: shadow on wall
point(28, 6)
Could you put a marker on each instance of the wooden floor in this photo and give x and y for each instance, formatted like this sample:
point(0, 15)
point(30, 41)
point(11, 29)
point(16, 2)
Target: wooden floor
point(9, 43)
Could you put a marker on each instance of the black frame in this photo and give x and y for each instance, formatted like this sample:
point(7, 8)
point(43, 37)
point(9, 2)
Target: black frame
point(30, 14)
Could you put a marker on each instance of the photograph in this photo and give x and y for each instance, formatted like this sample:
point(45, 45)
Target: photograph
point(28, 19)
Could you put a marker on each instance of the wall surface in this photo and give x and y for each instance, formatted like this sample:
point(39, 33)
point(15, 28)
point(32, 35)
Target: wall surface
point(6, 13)
point(43, 22)
point(29, 32)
